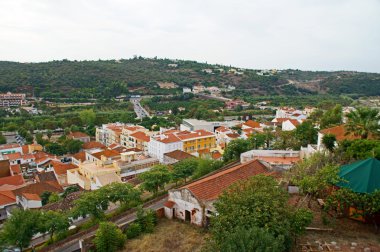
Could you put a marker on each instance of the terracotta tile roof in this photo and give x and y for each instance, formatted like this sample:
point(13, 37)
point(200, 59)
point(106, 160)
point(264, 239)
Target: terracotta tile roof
point(28, 156)
point(80, 156)
point(209, 188)
point(195, 134)
point(16, 169)
point(133, 149)
point(106, 153)
point(7, 197)
point(141, 136)
point(134, 128)
point(61, 168)
point(339, 132)
point(252, 124)
point(25, 149)
point(12, 180)
point(178, 155)
point(114, 145)
point(13, 156)
point(168, 138)
point(39, 188)
point(77, 134)
point(65, 204)
point(93, 145)
point(280, 120)
point(31, 196)
point(9, 146)
point(216, 155)
point(46, 176)
point(223, 129)
point(293, 121)
point(233, 135)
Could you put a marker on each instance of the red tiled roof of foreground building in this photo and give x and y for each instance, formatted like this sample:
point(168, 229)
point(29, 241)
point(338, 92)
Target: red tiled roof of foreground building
point(209, 188)
point(252, 124)
point(39, 188)
point(178, 155)
point(80, 156)
point(61, 168)
point(16, 169)
point(340, 133)
point(12, 180)
point(106, 153)
point(7, 197)
point(223, 129)
point(31, 196)
point(13, 156)
point(78, 134)
point(93, 145)
point(141, 136)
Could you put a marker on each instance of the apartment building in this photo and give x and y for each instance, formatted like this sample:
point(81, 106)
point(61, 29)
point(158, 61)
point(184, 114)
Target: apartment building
point(12, 99)
point(109, 133)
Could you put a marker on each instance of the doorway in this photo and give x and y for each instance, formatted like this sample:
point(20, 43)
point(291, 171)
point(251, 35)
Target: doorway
point(187, 216)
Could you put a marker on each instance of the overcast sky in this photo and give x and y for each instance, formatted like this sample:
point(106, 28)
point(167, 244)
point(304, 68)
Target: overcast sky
point(303, 34)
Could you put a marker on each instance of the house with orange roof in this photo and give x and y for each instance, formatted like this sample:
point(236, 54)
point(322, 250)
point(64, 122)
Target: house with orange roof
point(7, 203)
point(109, 133)
point(139, 140)
point(290, 124)
point(77, 135)
point(60, 170)
point(193, 203)
point(176, 156)
point(29, 196)
point(339, 132)
point(10, 148)
point(127, 131)
point(251, 125)
point(93, 145)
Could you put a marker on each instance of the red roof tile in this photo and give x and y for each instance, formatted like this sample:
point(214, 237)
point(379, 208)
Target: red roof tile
point(78, 134)
point(223, 129)
point(12, 180)
point(25, 149)
point(93, 145)
point(31, 196)
point(178, 155)
point(106, 153)
point(7, 197)
point(39, 188)
point(252, 124)
point(209, 188)
point(80, 156)
point(169, 204)
point(61, 168)
point(141, 136)
point(13, 156)
point(340, 133)
point(216, 155)
point(233, 135)
point(16, 169)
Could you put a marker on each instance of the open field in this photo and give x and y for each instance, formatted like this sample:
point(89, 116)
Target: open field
point(169, 235)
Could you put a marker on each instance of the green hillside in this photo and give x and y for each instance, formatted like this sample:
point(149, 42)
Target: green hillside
point(107, 79)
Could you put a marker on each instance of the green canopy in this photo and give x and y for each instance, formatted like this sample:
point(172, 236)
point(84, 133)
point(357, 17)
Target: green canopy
point(362, 176)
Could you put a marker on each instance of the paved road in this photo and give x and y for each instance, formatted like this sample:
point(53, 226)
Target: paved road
point(74, 244)
point(139, 110)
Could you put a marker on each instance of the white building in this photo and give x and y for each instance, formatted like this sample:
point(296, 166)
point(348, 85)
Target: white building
point(194, 202)
point(164, 143)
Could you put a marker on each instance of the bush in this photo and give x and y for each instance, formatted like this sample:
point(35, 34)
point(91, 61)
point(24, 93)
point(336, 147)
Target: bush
point(133, 230)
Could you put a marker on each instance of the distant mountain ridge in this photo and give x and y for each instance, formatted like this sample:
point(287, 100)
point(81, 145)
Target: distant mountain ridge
point(110, 78)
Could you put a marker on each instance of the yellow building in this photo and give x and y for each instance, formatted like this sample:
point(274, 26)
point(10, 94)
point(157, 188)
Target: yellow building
point(197, 140)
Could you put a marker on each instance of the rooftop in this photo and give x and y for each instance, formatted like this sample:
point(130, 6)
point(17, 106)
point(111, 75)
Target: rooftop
point(93, 145)
point(78, 134)
point(141, 136)
point(209, 188)
point(178, 155)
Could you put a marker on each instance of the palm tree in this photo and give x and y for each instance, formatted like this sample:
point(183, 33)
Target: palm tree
point(363, 122)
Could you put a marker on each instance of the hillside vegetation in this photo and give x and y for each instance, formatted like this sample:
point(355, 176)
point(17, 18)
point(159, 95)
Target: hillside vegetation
point(110, 78)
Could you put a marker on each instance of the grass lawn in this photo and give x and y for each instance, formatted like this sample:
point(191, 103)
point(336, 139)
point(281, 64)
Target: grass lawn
point(169, 235)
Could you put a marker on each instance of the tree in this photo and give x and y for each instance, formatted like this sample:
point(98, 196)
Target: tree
point(92, 203)
point(155, 178)
point(251, 239)
point(54, 222)
point(245, 205)
point(49, 134)
point(184, 168)
point(329, 141)
point(21, 226)
point(332, 117)
point(306, 133)
point(205, 166)
point(45, 197)
point(3, 140)
point(109, 238)
point(54, 197)
point(72, 146)
point(87, 116)
point(363, 122)
point(235, 148)
point(124, 193)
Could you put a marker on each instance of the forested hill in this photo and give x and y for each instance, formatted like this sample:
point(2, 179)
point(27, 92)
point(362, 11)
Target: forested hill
point(87, 79)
